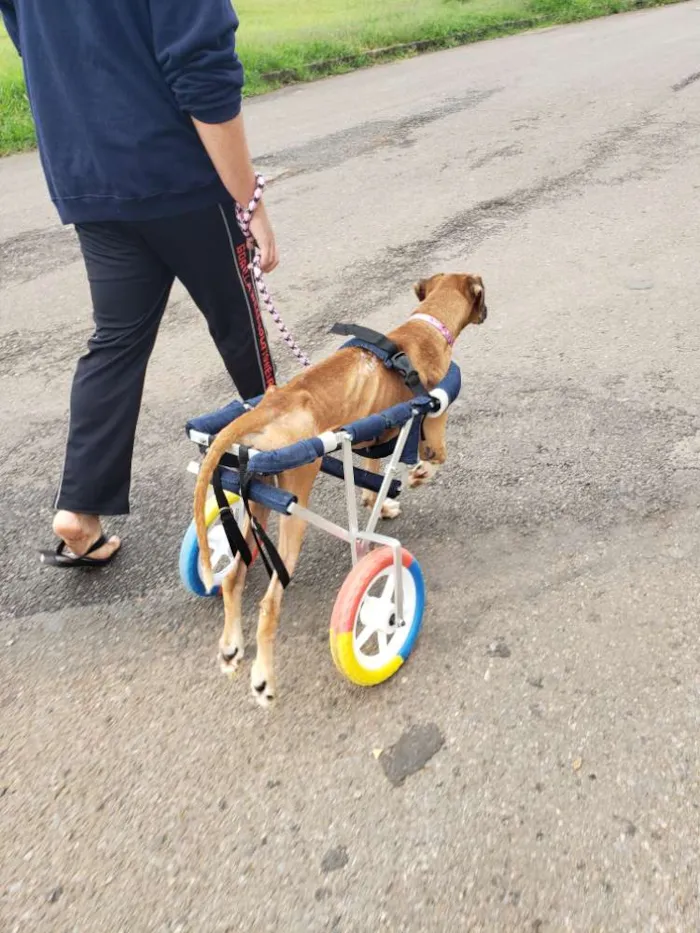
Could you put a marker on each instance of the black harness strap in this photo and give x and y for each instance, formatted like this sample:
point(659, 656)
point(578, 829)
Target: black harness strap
point(267, 550)
point(394, 355)
point(234, 535)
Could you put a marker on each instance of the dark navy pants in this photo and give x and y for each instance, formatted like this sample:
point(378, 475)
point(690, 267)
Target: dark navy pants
point(131, 267)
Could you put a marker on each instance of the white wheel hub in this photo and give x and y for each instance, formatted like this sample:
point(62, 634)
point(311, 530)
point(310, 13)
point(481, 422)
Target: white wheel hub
point(378, 635)
point(377, 613)
point(222, 559)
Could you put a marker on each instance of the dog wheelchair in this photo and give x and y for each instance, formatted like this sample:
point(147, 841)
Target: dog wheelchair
point(379, 610)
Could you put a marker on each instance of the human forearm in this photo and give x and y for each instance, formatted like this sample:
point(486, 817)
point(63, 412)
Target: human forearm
point(227, 147)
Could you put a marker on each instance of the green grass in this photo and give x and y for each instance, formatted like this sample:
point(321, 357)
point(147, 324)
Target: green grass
point(16, 127)
point(294, 40)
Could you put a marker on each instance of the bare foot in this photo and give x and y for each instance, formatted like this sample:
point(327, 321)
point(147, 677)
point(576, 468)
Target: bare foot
point(80, 532)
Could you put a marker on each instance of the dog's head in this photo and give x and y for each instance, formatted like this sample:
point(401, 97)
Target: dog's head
point(469, 291)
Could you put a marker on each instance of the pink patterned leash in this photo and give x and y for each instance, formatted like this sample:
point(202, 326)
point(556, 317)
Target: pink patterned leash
point(244, 217)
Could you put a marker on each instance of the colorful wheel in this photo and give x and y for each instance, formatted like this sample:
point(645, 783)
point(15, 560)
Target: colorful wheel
point(221, 557)
point(368, 643)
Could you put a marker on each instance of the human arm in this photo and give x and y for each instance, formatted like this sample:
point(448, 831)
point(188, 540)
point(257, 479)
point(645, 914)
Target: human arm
point(195, 48)
point(227, 147)
point(9, 15)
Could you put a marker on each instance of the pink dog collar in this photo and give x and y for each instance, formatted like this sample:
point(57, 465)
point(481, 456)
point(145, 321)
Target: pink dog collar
point(438, 325)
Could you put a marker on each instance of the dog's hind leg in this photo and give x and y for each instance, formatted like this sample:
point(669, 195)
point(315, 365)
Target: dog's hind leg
point(262, 677)
point(231, 644)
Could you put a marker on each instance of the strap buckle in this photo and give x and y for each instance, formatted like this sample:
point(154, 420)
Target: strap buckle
point(402, 364)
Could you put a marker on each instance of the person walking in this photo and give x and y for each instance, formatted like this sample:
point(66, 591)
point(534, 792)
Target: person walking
point(137, 107)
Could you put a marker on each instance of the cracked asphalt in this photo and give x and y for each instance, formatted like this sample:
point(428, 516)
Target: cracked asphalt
point(535, 766)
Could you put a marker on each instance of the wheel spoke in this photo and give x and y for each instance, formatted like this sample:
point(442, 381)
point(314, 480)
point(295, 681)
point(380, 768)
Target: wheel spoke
point(361, 640)
point(217, 555)
point(383, 641)
point(218, 545)
point(388, 591)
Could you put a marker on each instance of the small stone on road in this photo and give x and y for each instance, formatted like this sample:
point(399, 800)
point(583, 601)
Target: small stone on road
point(412, 752)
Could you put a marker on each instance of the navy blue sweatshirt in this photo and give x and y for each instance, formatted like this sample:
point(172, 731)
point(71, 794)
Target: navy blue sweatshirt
point(112, 85)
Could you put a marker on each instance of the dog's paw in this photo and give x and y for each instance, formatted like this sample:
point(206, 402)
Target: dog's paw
point(368, 498)
point(231, 655)
point(390, 509)
point(262, 686)
point(420, 474)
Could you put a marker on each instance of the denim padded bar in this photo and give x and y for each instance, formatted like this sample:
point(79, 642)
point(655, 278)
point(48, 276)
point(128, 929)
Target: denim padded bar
point(279, 500)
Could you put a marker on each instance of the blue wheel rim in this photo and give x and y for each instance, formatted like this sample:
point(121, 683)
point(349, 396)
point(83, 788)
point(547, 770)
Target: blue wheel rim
point(189, 565)
point(414, 569)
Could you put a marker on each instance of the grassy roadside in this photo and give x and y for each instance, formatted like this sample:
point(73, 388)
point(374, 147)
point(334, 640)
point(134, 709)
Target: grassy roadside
point(16, 127)
point(281, 41)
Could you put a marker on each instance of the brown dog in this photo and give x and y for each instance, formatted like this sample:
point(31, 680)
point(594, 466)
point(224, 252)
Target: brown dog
point(350, 384)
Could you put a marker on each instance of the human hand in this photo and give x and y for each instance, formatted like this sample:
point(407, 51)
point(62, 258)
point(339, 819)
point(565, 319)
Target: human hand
point(264, 235)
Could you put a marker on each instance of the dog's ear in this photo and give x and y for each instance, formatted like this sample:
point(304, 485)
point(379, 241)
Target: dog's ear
point(420, 289)
point(476, 294)
point(425, 286)
point(474, 287)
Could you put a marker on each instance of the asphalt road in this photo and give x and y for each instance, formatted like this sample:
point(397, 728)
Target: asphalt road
point(558, 667)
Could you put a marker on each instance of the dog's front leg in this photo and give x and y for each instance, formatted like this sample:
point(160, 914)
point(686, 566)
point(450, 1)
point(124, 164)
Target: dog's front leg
point(390, 507)
point(432, 451)
point(231, 643)
point(262, 675)
point(368, 497)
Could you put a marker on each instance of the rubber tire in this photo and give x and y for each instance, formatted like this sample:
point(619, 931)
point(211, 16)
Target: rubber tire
point(189, 552)
point(345, 610)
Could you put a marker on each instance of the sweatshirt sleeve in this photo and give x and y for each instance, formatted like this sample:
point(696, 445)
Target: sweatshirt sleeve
point(9, 15)
point(195, 47)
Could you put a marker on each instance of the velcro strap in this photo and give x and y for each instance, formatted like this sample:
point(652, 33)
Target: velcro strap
point(267, 550)
point(395, 357)
point(234, 535)
point(368, 336)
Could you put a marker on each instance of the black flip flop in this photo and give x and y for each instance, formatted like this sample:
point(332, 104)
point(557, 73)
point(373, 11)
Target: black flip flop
point(59, 558)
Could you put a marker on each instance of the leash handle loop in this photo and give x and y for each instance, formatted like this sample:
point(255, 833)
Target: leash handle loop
point(244, 216)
